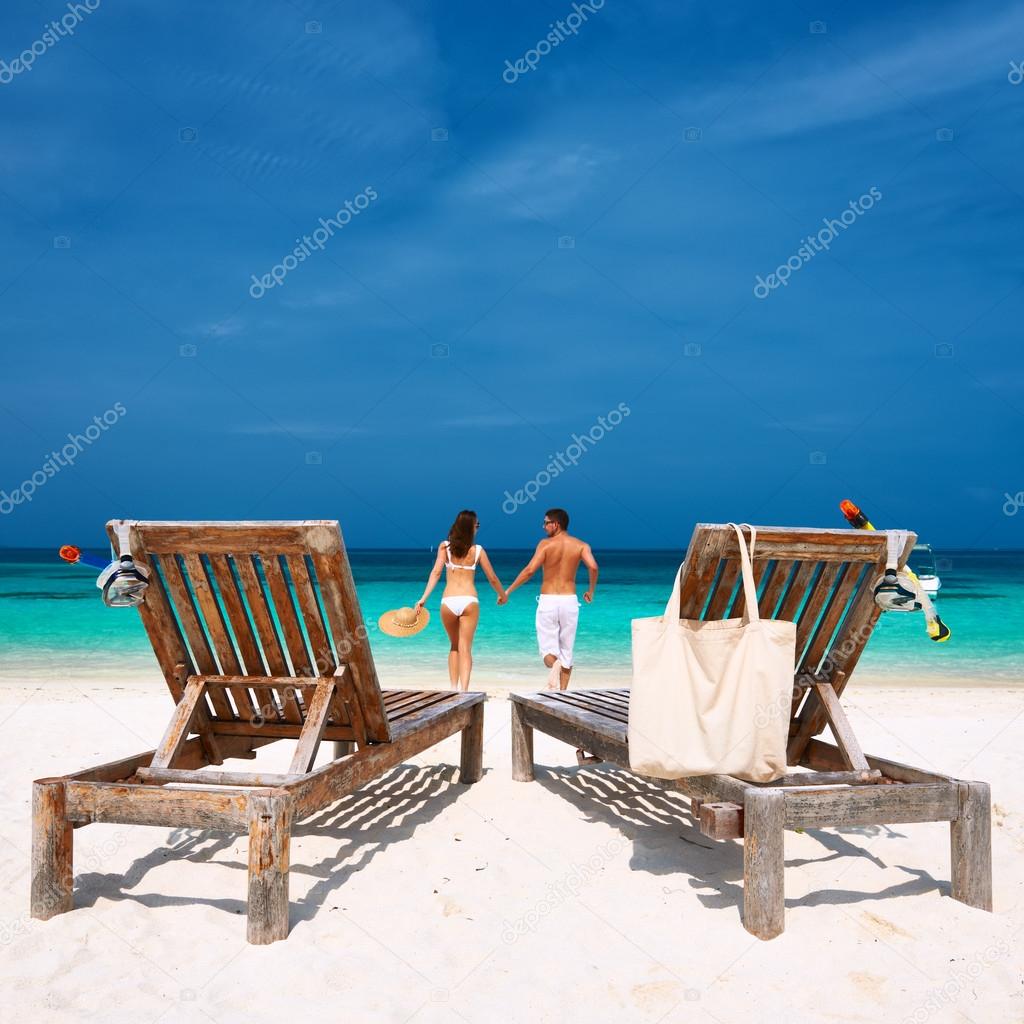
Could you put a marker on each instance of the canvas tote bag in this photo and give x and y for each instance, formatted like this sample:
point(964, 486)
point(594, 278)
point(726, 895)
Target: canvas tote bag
point(712, 697)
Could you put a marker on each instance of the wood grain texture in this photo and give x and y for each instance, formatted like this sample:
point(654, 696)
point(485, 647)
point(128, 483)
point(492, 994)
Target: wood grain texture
point(721, 820)
point(126, 804)
point(313, 731)
point(871, 805)
point(472, 756)
point(764, 863)
point(846, 740)
point(177, 729)
point(52, 841)
point(269, 818)
point(183, 776)
point(826, 757)
point(247, 640)
point(339, 778)
point(522, 744)
point(970, 843)
point(213, 622)
point(351, 639)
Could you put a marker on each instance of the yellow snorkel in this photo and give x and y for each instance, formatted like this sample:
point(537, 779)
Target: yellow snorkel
point(889, 594)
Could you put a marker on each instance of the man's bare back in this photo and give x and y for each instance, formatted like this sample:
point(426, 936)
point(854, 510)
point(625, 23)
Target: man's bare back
point(560, 559)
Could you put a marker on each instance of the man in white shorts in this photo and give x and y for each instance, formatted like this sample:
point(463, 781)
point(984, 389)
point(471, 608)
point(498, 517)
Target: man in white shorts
point(558, 556)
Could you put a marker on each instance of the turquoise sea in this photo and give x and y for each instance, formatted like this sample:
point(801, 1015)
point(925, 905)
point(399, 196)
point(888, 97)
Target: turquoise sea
point(53, 623)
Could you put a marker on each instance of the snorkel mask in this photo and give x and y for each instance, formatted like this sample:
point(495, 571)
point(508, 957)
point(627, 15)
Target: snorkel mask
point(899, 590)
point(123, 582)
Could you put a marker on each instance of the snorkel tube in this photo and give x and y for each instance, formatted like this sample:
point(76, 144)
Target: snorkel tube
point(896, 590)
point(76, 556)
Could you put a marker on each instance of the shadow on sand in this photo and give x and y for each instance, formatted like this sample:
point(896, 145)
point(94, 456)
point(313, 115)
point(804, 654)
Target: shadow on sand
point(654, 820)
point(361, 825)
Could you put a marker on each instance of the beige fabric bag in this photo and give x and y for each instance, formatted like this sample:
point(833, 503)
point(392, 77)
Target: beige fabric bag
point(712, 698)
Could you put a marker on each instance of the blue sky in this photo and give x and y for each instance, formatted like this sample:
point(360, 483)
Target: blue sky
point(444, 343)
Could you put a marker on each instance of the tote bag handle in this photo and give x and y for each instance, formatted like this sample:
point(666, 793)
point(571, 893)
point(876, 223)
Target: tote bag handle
point(750, 612)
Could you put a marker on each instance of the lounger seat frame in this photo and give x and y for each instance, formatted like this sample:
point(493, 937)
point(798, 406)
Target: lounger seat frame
point(260, 637)
point(821, 579)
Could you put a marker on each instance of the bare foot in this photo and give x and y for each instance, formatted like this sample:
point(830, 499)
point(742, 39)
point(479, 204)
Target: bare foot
point(554, 676)
point(582, 757)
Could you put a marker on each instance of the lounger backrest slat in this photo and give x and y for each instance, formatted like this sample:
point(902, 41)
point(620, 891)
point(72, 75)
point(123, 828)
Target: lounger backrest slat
point(819, 579)
point(260, 603)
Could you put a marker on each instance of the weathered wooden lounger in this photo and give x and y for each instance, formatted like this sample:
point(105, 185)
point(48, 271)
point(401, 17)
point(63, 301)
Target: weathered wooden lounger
point(258, 632)
point(822, 580)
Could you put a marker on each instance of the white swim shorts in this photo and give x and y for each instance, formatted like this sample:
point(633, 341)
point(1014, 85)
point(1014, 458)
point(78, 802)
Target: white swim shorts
point(557, 617)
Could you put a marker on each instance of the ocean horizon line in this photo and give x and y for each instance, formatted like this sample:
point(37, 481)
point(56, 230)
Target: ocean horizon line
point(389, 550)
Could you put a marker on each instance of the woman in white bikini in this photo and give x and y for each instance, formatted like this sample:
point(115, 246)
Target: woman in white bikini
point(460, 607)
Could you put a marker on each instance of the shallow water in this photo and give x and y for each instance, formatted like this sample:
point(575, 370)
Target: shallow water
point(52, 620)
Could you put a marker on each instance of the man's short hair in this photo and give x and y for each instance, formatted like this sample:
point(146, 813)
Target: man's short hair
point(559, 515)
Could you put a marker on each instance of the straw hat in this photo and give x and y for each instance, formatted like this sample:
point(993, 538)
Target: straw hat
point(403, 621)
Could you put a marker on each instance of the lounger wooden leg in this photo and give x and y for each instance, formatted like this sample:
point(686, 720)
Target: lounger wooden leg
point(971, 847)
point(342, 748)
point(764, 863)
point(522, 746)
point(269, 840)
point(472, 765)
point(52, 844)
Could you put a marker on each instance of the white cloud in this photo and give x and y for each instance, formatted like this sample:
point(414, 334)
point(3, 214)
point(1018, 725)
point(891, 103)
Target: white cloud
point(306, 429)
point(228, 328)
point(859, 78)
point(548, 184)
point(323, 298)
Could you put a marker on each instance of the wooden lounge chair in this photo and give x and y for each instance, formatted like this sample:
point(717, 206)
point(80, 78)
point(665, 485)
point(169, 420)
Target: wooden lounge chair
point(822, 580)
point(258, 631)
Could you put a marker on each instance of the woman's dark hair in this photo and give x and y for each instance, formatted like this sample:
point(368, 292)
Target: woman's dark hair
point(460, 536)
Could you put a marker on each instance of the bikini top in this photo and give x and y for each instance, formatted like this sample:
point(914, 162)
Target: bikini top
point(456, 565)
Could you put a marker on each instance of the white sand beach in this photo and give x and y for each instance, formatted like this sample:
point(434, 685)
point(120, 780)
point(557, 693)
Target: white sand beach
point(583, 896)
